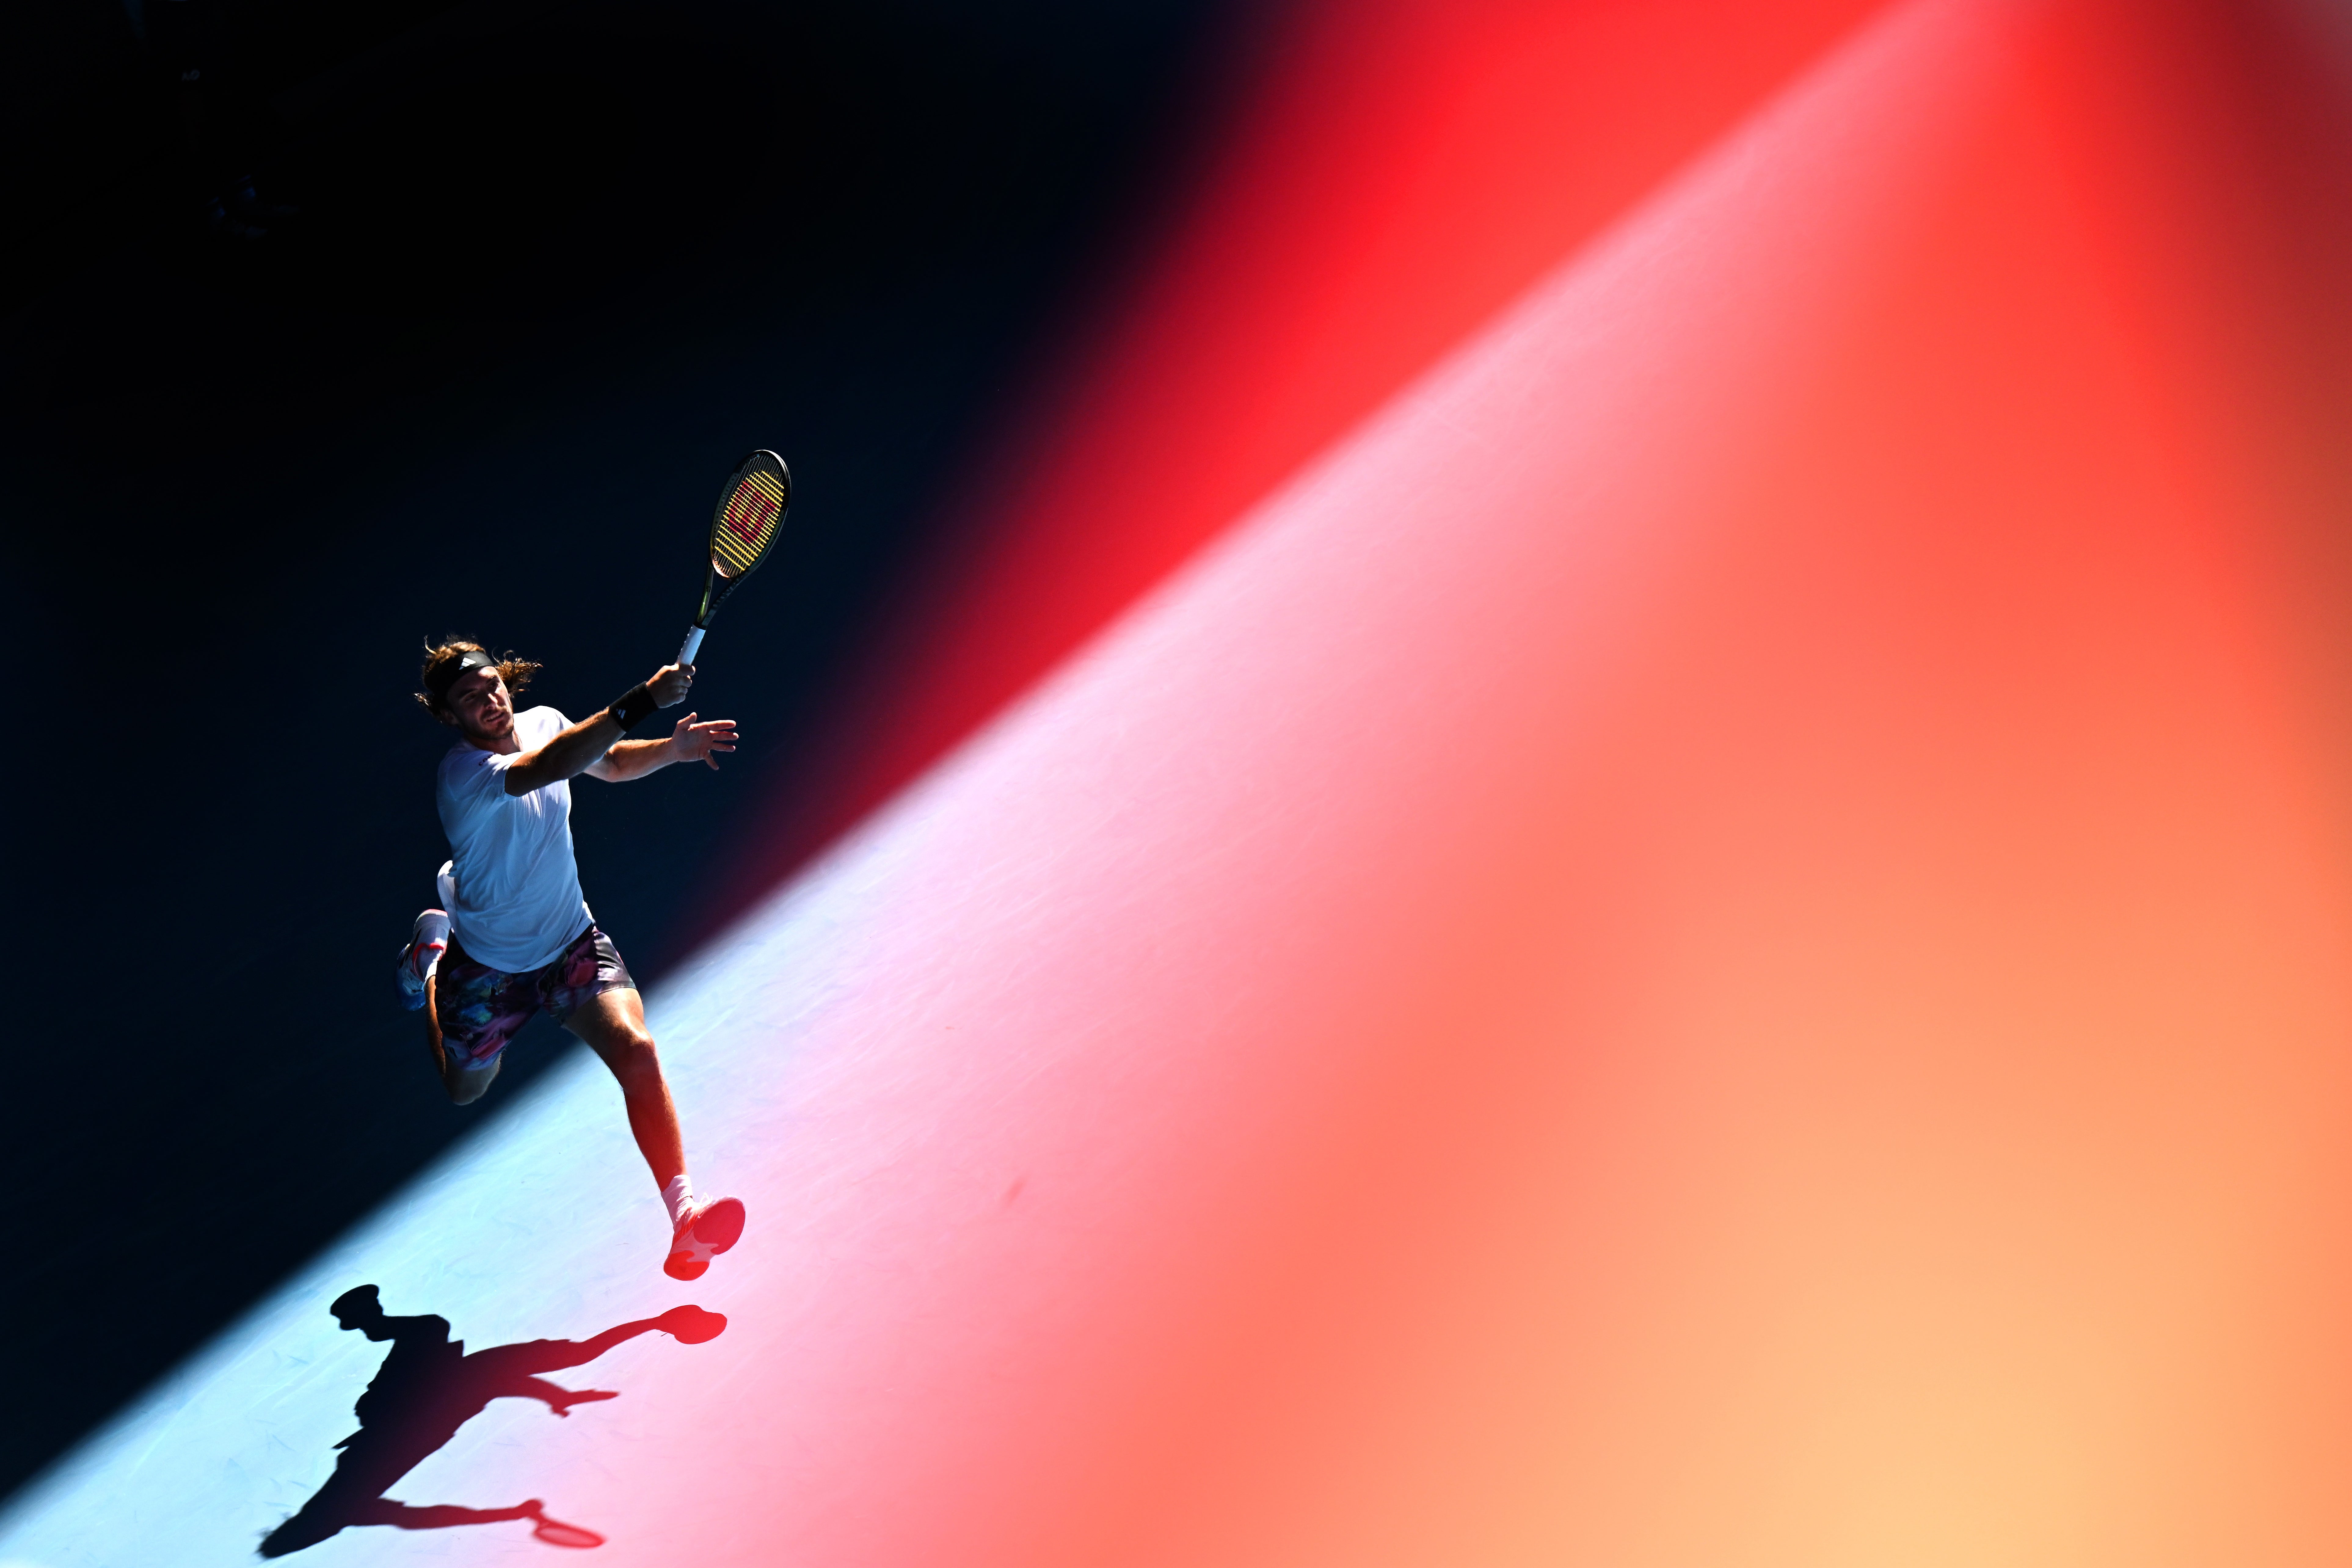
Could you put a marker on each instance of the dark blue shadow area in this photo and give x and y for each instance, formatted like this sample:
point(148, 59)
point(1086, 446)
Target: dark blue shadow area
point(556, 267)
point(429, 1386)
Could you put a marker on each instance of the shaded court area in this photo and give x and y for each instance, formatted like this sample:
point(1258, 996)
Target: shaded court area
point(555, 269)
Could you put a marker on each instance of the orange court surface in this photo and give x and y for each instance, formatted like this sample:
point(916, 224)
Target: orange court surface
point(1677, 895)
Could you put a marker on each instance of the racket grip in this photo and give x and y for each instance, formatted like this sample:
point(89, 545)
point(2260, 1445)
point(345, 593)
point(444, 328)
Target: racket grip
point(693, 644)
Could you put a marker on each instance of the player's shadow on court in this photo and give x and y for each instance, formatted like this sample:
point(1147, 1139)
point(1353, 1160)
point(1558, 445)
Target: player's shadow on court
point(427, 1388)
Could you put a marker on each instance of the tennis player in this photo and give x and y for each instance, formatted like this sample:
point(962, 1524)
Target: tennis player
point(517, 937)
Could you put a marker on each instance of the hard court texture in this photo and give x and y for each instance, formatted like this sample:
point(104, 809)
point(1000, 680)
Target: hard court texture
point(1721, 938)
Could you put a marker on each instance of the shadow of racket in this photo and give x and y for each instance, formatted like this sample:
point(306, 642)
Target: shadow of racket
point(555, 1533)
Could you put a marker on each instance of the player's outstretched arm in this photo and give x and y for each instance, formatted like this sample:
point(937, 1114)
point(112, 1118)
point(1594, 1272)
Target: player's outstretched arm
point(580, 746)
point(693, 740)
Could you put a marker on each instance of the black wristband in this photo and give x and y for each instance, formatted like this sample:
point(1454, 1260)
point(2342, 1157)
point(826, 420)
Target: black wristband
point(631, 708)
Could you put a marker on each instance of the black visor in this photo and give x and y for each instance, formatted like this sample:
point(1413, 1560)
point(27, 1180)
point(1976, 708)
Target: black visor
point(440, 680)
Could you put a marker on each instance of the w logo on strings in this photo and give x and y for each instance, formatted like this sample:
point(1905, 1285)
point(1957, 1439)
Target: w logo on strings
point(750, 514)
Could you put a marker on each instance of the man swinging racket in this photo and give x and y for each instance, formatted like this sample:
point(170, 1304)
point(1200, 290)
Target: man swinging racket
point(517, 936)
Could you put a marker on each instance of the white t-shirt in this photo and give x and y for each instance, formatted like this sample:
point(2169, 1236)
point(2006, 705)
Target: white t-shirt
point(517, 905)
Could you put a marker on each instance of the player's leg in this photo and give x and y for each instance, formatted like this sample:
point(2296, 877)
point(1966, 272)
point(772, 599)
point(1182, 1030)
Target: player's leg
point(471, 1012)
point(589, 991)
point(466, 1081)
point(428, 939)
point(614, 1025)
point(466, 1085)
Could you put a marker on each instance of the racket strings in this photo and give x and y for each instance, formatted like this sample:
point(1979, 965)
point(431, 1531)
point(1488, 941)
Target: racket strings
point(747, 524)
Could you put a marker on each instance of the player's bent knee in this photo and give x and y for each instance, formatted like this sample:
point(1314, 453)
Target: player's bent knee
point(634, 1059)
point(466, 1087)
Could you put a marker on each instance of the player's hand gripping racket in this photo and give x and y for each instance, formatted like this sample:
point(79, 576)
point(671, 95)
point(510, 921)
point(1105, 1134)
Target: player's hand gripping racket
point(750, 514)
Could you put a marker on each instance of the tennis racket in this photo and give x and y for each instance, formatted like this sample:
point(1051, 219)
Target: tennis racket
point(742, 531)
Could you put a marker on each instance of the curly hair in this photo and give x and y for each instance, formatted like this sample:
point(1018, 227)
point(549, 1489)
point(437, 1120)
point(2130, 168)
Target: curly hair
point(513, 668)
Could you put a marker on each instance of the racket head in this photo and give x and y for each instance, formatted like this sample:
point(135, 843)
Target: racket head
point(749, 515)
point(555, 1533)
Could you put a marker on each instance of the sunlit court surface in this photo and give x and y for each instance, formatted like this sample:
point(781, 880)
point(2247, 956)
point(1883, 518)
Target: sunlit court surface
point(1718, 933)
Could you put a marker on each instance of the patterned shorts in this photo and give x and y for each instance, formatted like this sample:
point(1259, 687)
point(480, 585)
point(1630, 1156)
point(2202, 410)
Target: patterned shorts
point(479, 1008)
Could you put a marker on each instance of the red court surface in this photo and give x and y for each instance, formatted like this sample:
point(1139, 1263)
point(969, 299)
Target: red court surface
point(1718, 937)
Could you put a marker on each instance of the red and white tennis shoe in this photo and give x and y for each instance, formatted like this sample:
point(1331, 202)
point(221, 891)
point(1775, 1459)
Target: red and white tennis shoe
point(426, 942)
point(704, 1231)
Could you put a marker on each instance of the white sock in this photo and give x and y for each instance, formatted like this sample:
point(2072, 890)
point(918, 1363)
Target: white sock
point(676, 1196)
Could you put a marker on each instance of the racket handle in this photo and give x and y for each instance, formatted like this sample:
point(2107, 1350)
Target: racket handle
point(692, 645)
